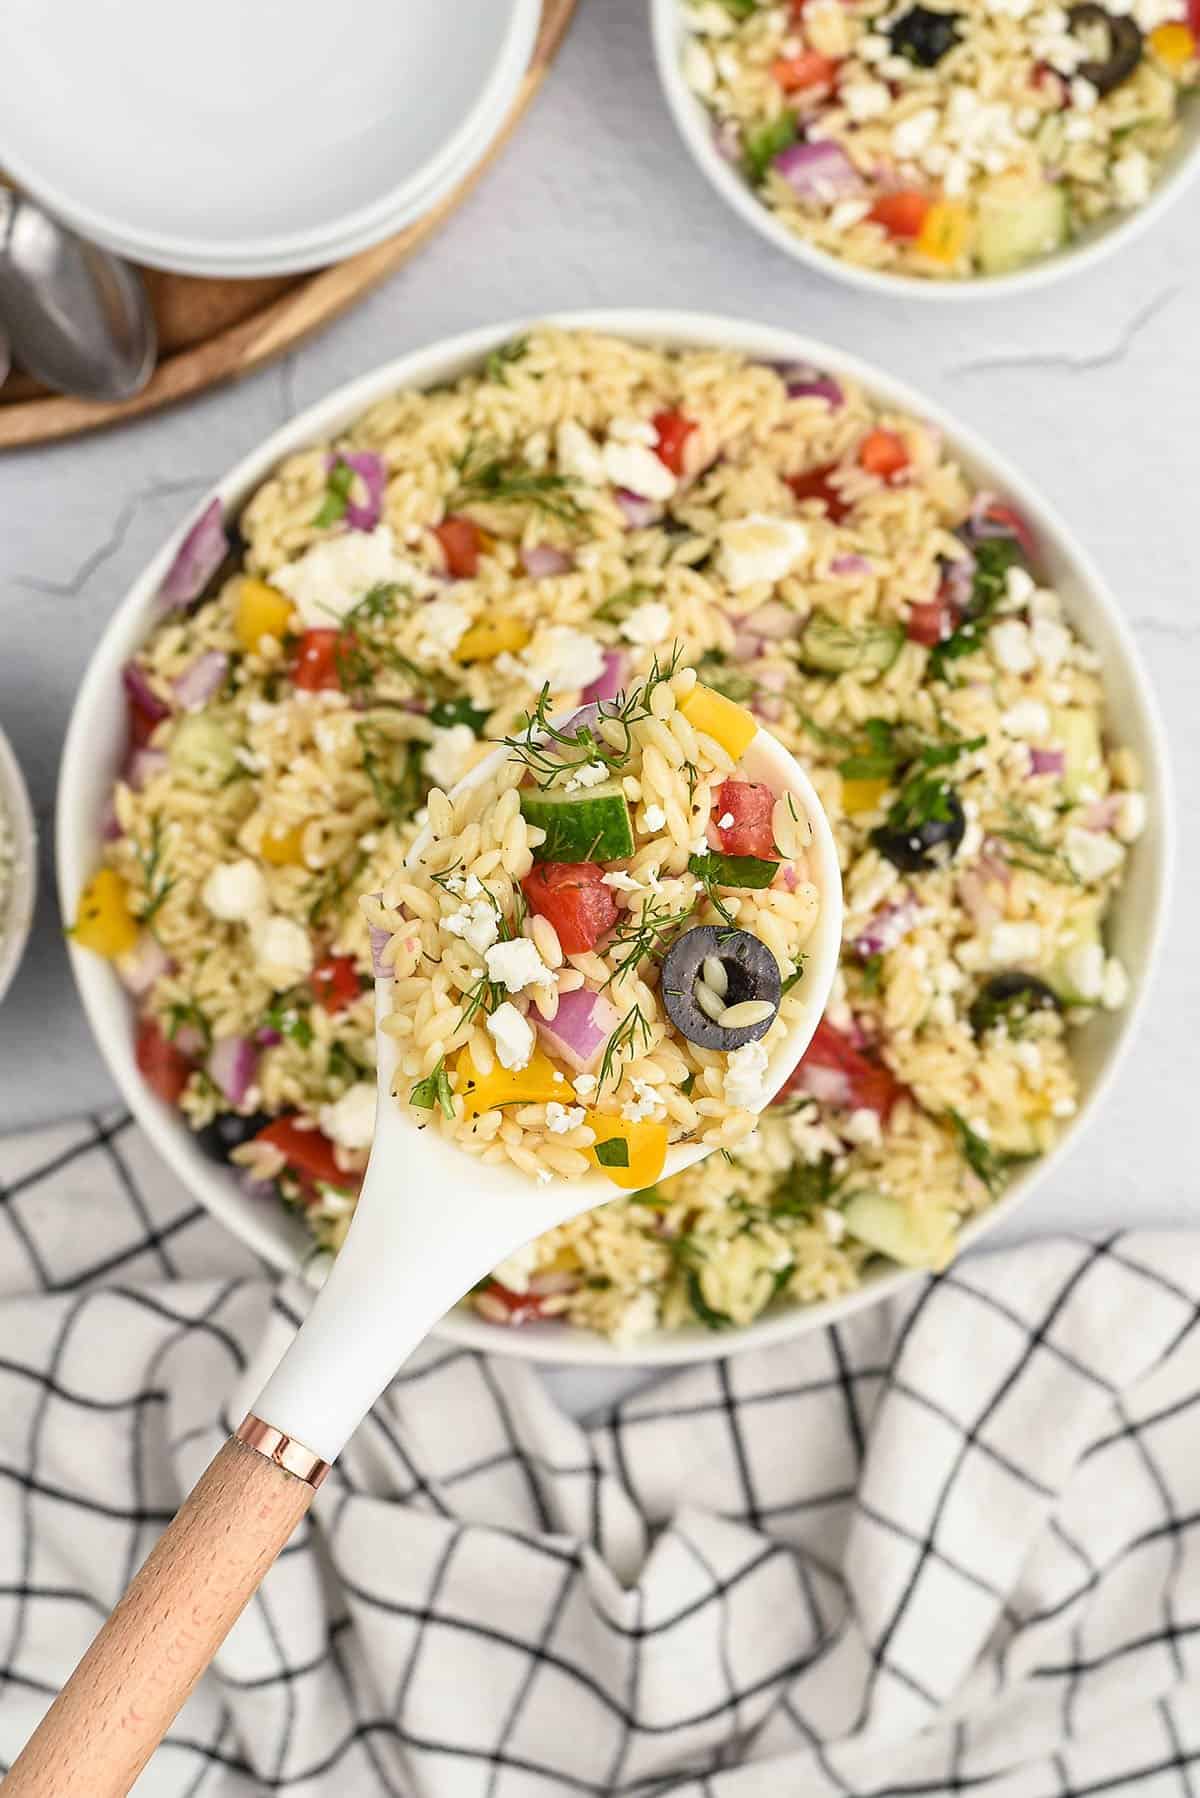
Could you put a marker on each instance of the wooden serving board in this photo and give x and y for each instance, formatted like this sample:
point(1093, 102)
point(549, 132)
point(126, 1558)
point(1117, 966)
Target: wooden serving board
point(213, 330)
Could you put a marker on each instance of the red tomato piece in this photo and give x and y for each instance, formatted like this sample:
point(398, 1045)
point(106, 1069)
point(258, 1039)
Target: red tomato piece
point(931, 623)
point(141, 725)
point(864, 1085)
point(306, 1152)
point(335, 982)
point(162, 1064)
point(901, 214)
point(750, 805)
point(1011, 521)
point(815, 483)
point(883, 453)
point(1194, 18)
point(673, 430)
point(573, 897)
point(460, 541)
point(522, 1307)
point(809, 69)
point(315, 667)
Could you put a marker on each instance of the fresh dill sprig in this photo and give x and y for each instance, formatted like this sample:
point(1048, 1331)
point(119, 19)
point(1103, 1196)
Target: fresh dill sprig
point(636, 938)
point(485, 996)
point(331, 887)
point(991, 1165)
point(632, 1029)
point(150, 860)
point(361, 651)
point(1048, 862)
point(551, 753)
point(394, 771)
point(487, 477)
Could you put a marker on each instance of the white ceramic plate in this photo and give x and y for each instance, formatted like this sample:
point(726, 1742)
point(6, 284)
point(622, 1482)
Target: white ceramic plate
point(694, 122)
point(264, 130)
point(95, 748)
point(16, 910)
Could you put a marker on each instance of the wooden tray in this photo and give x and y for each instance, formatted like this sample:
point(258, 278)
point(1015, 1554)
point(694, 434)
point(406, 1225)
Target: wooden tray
point(211, 330)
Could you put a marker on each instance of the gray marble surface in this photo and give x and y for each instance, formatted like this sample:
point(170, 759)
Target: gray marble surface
point(1092, 387)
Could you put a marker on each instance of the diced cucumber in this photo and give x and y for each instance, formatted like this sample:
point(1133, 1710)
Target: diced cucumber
point(202, 748)
point(1079, 958)
point(733, 870)
point(828, 647)
point(589, 826)
point(1017, 221)
point(1078, 732)
point(887, 1226)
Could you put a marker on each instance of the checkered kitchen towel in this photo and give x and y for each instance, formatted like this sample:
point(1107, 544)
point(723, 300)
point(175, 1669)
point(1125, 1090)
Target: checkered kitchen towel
point(952, 1546)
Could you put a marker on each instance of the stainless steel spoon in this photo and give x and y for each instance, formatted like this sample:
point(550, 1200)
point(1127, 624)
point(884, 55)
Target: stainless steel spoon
point(76, 317)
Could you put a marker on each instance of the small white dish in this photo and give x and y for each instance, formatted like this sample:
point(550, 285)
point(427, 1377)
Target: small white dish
point(18, 865)
point(95, 748)
point(274, 132)
point(694, 123)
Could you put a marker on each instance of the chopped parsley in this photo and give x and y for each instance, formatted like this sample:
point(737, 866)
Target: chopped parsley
point(872, 973)
point(341, 1065)
point(434, 1090)
point(338, 484)
point(806, 1185)
point(890, 747)
point(287, 1015)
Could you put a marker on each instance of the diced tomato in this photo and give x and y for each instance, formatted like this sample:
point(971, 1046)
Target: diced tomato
point(572, 896)
point(162, 1064)
point(750, 805)
point(141, 724)
point(673, 430)
point(815, 483)
point(315, 668)
point(460, 541)
point(883, 453)
point(809, 69)
point(855, 1084)
point(306, 1152)
point(522, 1307)
point(901, 214)
point(931, 623)
point(1011, 521)
point(1194, 18)
point(335, 982)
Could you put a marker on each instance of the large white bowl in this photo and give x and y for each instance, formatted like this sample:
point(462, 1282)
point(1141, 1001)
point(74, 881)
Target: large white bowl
point(95, 748)
point(270, 132)
point(16, 907)
point(694, 121)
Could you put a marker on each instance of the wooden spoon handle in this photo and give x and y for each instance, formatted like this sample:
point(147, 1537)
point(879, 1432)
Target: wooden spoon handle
point(120, 1701)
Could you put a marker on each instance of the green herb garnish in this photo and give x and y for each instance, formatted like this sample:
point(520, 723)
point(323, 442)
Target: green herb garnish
point(709, 1317)
point(394, 771)
point(991, 1165)
point(632, 1029)
point(552, 754)
point(341, 1065)
point(612, 1153)
point(486, 477)
point(333, 886)
point(154, 875)
point(434, 1090)
point(763, 146)
point(287, 1015)
point(993, 559)
point(619, 605)
point(719, 674)
point(501, 359)
point(446, 713)
point(872, 973)
point(338, 483)
point(185, 1012)
point(636, 938)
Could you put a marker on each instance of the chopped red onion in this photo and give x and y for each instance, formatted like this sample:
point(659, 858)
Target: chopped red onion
point(1047, 761)
point(197, 684)
point(958, 579)
point(788, 875)
point(991, 517)
point(1102, 814)
point(803, 381)
point(231, 1066)
point(142, 766)
point(373, 474)
point(769, 708)
point(266, 1038)
point(638, 513)
point(775, 680)
point(850, 565)
point(142, 694)
point(609, 682)
point(727, 137)
point(889, 926)
point(581, 1027)
point(820, 171)
point(145, 963)
point(747, 647)
point(775, 620)
point(379, 942)
point(197, 559)
point(542, 559)
point(110, 824)
point(257, 1190)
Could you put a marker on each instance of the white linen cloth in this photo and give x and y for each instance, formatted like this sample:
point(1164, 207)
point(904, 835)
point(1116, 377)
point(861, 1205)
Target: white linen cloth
point(951, 1546)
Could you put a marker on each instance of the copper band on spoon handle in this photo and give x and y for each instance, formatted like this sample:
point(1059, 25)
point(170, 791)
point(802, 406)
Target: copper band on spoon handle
point(283, 1450)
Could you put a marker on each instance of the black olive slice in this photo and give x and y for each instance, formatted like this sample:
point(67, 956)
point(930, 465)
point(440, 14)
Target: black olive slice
point(1010, 999)
point(751, 972)
point(915, 843)
point(228, 1131)
point(1120, 34)
point(923, 36)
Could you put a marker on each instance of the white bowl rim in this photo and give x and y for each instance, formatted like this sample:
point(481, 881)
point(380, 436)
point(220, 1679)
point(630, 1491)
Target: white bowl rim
point(371, 218)
point(106, 1004)
point(16, 916)
point(1110, 235)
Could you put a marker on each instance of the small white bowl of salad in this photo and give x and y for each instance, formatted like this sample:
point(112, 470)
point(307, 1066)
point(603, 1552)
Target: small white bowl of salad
point(18, 865)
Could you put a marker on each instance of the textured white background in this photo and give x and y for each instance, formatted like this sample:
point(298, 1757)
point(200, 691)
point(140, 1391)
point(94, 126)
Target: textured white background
point(1092, 387)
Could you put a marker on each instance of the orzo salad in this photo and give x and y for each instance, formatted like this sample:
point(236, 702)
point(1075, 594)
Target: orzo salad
point(951, 140)
point(529, 541)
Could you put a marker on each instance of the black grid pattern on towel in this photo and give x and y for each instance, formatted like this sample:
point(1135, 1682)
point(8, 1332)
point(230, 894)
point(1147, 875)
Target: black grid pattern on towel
point(952, 1545)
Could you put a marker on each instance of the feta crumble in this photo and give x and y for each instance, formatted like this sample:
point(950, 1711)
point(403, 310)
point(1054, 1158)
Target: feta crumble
point(235, 891)
point(350, 1120)
point(512, 1035)
point(757, 549)
point(745, 1077)
point(516, 965)
point(647, 624)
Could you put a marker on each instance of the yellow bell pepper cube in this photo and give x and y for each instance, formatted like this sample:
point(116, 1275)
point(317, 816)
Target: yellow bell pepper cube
point(637, 1152)
point(490, 638)
point(531, 1085)
point(284, 848)
point(105, 922)
point(862, 795)
point(1174, 45)
point(260, 611)
point(945, 233)
point(732, 726)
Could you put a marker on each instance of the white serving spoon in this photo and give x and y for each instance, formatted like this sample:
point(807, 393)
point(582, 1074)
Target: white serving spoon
point(430, 1223)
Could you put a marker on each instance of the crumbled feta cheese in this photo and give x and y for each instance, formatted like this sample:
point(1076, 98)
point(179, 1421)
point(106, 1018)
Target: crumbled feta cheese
point(516, 964)
point(1093, 854)
point(1010, 646)
point(1028, 1057)
point(562, 658)
point(584, 1084)
point(811, 1139)
point(235, 891)
point(698, 70)
point(350, 1120)
point(912, 134)
point(862, 1127)
point(645, 1103)
point(699, 847)
point(848, 213)
point(1051, 643)
point(632, 430)
point(1131, 178)
point(1115, 990)
point(1013, 945)
point(282, 950)
point(758, 549)
point(512, 1035)
point(515, 1270)
point(578, 455)
point(873, 48)
point(442, 625)
point(638, 469)
point(620, 881)
point(725, 822)
point(1018, 587)
point(562, 1119)
point(865, 99)
point(833, 1222)
point(1027, 719)
point(745, 1077)
point(590, 775)
point(647, 624)
point(450, 754)
point(1130, 819)
point(637, 1320)
point(476, 923)
point(1083, 94)
point(656, 818)
point(1084, 968)
point(330, 578)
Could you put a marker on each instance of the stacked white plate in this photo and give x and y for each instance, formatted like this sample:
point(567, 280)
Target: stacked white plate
point(253, 137)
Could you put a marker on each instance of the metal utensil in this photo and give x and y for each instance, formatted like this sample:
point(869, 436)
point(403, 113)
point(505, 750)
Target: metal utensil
point(76, 317)
point(5, 356)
